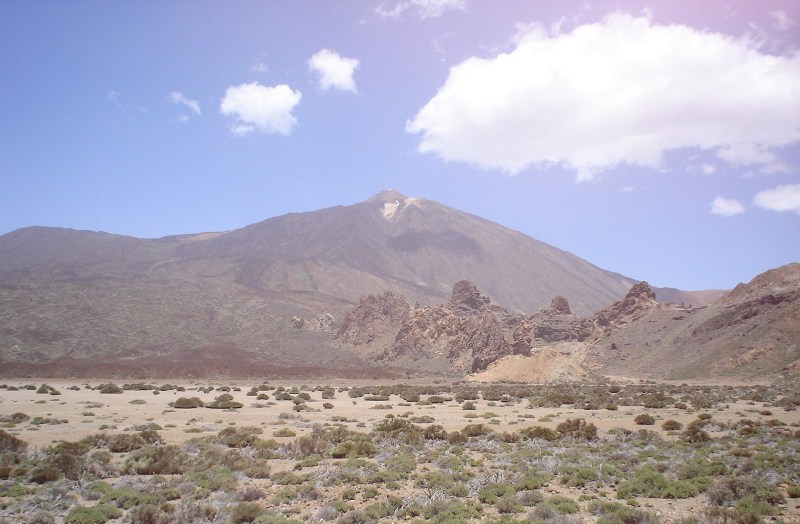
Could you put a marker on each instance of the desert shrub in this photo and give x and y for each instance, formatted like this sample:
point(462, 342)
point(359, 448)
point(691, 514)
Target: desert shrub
point(9, 442)
point(671, 425)
point(538, 432)
point(44, 473)
point(250, 494)
point(157, 460)
point(648, 482)
point(468, 405)
point(507, 504)
point(644, 420)
point(354, 449)
point(529, 498)
point(491, 492)
point(215, 478)
point(149, 514)
point(109, 389)
point(224, 401)
point(84, 515)
point(314, 444)
point(560, 504)
point(434, 432)
point(284, 432)
point(616, 513)
point(436, 399)
point(355, 393)
point(729, 490)
point(694, 431)
point(476, 430)
point(578, 476)
point(403, 429)
point(236, 437)
point(68, 458)
point(246, 512)
point(577, 428)
point(124, 443)
point(328, 393)
point(614, 389)
point(793, 491)
point(187, 403)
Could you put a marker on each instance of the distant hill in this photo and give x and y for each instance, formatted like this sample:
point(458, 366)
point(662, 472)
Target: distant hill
point(263, 299)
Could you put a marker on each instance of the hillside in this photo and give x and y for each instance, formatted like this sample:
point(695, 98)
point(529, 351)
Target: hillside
point(263, 299)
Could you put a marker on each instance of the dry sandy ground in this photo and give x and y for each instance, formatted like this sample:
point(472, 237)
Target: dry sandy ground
point(88, 411)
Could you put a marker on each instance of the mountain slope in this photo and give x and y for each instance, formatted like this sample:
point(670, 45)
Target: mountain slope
point(751, 332)
point(266, 292)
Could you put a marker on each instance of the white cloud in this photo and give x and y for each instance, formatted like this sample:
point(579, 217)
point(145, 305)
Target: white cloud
point(618, 91)
point(178, 98)
point(781, 198)
point(260, 108)
point(420, 8)
point(726, 207)
point(782, 21)
point(333, 70)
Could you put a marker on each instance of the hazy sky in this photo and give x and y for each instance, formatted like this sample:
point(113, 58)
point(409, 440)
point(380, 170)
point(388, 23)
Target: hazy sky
point(660, 139)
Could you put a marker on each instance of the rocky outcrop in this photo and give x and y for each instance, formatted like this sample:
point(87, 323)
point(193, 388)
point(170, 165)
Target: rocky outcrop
point(466, 334)
point(466, 295)
point(637, 302)
point(375, 315)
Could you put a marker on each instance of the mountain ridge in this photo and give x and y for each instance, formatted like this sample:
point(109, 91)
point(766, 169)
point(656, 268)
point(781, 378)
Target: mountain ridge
point(96, 296)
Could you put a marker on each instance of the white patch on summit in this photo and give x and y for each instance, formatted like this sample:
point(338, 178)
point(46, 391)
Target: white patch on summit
point(390, 208)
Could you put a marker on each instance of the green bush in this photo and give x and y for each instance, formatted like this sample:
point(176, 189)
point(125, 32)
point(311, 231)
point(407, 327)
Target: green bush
point(84, 515)
point(490, 493)
point(671, 425)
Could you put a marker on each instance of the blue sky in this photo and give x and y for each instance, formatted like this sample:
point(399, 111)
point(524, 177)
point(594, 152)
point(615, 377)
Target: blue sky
point(659, 139)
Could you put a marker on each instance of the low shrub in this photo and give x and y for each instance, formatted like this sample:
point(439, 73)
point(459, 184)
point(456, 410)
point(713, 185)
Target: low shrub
point(645, 420)
point(187, 403)
point(577, 428)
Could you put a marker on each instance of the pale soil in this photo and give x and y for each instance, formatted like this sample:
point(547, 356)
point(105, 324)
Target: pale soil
point(118, 414)
point(555, 363)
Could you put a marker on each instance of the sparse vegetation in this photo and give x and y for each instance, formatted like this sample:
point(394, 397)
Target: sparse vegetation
point(423, 460)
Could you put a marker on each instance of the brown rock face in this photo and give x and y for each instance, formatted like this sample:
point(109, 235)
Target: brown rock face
point(374, 316)
point(465, 335)
point(466, 294)
point(639, 300)
point(560, 305)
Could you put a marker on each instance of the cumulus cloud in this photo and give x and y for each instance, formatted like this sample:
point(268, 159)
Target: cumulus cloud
point(333, 70)
point(622, 90)
point(781, 198)
point(726, 207)
point(179, 98)
point(420, 8)
point(255, 107)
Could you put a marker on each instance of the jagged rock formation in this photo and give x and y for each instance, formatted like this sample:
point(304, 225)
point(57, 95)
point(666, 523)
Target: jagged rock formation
point(752, 331)
point(465, 335)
